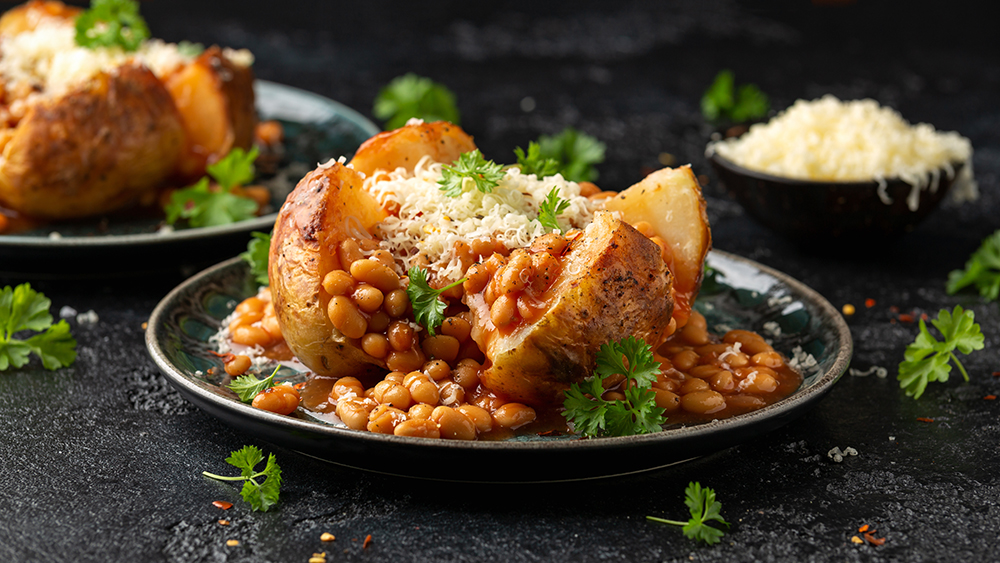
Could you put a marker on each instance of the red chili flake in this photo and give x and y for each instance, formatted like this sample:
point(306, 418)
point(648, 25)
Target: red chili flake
point(924, 316)
point(863, 528)
point(873, 540)
point(869, 302)
point(300, 386)
point(222, 504)
point(226, 358)
point(893, 309)
point(990, 397)
point(368, 540)
point(905, 318)
point(924, 419)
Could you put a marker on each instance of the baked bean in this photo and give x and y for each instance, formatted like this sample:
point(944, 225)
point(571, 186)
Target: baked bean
point(645, 228)
point(515, 275)
point(668, 385)
point(613, 396)
point(419, 428)
point(441, 346)
point(704, 371)
point(270, 324)
point(546, 268)
point(451, 393)
point(476, 278)
point(251, 304)
point(395, 377)
point(346, 387)
point(529, 308)
point(400, 336)
point(759, 382)
point(613, 380)
point(693, 385)
point(354, 412)
point(346, 318)
point(490, 293)
point(383, 257)
point(375, 345)
point(378, 322)
point(723, 382)
point(367, 298)
point(486, 400)
point(667, 400)
point(457, 327)
point(503, 310)
point(246, 319)
point(251, 336)
point(384, 419)
point(494, 263)
point(750, 342)
point(768, 359)
point(368, 244)
point(281, 399)
point(482, 247)
point(397, 302)
point(745, 372)
point(437, 370)
point(466, 374)
point(685, 360)
point(420, 410)
point(549, 243)
point(375, 273)
point(238, 365)
point(454, 425)
point(405, 361)
point(514, 415)
point(393, 394)
point(479, 416)
point(745, 402)
point(734, 359)
point(713, 349)
point(665, 252)
point(703, 402)
point(422, 389)
point(695, 332)
point(338, 282)
point(601, 196)
point(349, 252)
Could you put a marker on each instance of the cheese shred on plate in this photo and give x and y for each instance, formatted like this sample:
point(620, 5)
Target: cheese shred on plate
point(429, 224)
point(830, 140)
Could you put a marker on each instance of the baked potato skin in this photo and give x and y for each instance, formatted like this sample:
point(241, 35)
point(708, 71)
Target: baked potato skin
point(327, 206)
point(93, 150)
point(26, 16)
point(613, 284)
point(404, 147)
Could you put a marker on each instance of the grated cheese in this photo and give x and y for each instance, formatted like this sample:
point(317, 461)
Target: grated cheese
point(830, 140)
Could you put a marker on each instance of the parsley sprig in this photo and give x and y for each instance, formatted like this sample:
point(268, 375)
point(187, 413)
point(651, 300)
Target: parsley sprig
point(722, 101)
point(22, 308)
point(410, 96)
point(637, 414)
point(248, 386)
point(576, 154)
point(928, 359)
point(704, 508)
point(550, 208)
point(111, 23)
point(534, 163)
point(982, 270)
point(470, 171)
point(207, 205)
point(428, 310)
point(261, 494)
point(256, 255)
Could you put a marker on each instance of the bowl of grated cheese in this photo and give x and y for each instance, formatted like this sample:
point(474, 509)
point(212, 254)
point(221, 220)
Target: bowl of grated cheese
point(832, 170)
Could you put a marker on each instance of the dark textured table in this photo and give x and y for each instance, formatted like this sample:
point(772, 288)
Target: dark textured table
point(102, 461)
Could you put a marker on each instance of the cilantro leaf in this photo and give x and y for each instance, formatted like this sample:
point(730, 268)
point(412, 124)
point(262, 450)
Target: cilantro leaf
point(428, 310)
point(410, 96)
point(550, 208)
point(248, 386)
point(704, 509)
point(256, 255)
point(203, 206)
point(721, 101)
point(111, 23)
point(576, 153)
point(22, 308)
point(470, 171)
point(261, 495)
point(234, 169)
point(534, 163)
point(927, 359)
point(592, 415)
point(982, 270)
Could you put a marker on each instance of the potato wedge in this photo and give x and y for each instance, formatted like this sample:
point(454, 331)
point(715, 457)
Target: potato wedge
point(612, 284)
point(670, 200)
point(404, 147)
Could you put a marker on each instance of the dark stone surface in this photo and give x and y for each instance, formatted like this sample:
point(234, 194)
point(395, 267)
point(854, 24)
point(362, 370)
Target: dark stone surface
point(102, 461)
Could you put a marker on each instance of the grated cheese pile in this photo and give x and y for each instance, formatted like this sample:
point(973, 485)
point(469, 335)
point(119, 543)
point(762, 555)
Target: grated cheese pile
point(431, 223)
point(830, 140)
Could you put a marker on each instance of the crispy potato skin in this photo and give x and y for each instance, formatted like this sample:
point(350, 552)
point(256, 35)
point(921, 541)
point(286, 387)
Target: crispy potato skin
point(93, 150)
point(404, 147)
point(613, 284)
point(26, 16)
point(327, 206)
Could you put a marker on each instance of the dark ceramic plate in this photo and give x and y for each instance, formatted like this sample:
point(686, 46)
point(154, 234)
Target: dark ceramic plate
point(740, 294)
point(316, 129)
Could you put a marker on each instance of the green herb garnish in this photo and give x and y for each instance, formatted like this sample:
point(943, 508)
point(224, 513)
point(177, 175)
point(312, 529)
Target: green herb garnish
point(256, 255)
point(261, 495)
point(534, 163)
point(189, 49)
point(721, 101)
point(550, 208)
point(428, 310)
point(248, 386)
point(22, 308)
point(111, 23)
point(982, 270)
point(928, 359)
point(470, 171)
point(207, 205)
point(704, 508)
point(637, 414)
point(410, 96)
point(576, 153)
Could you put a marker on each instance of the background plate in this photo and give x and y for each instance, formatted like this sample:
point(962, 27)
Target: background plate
point(740, 294)
point(316, 129)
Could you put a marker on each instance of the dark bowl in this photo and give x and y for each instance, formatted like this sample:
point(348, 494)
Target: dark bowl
point(810, 211)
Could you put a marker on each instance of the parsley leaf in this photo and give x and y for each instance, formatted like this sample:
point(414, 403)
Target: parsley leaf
point(637, 414)
point(428, 310)
point(234, 169)
point(410, 96)
point(576, 153)
point(256, 255)
point(928, 359)
point(111, 23)
point(534, 163)
point(22, 308)
point(470, 171)
point(982, 270)
point(550, 208)
point(248, 386)
point(704, 508)
point(261, 495)
point(721, 101)
point(208, 205)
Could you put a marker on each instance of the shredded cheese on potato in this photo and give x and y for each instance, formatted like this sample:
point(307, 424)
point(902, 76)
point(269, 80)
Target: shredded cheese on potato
point(830, 140)
point(430, 223)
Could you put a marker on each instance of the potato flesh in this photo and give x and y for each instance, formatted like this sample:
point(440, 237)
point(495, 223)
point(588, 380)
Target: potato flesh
point(613, 284)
